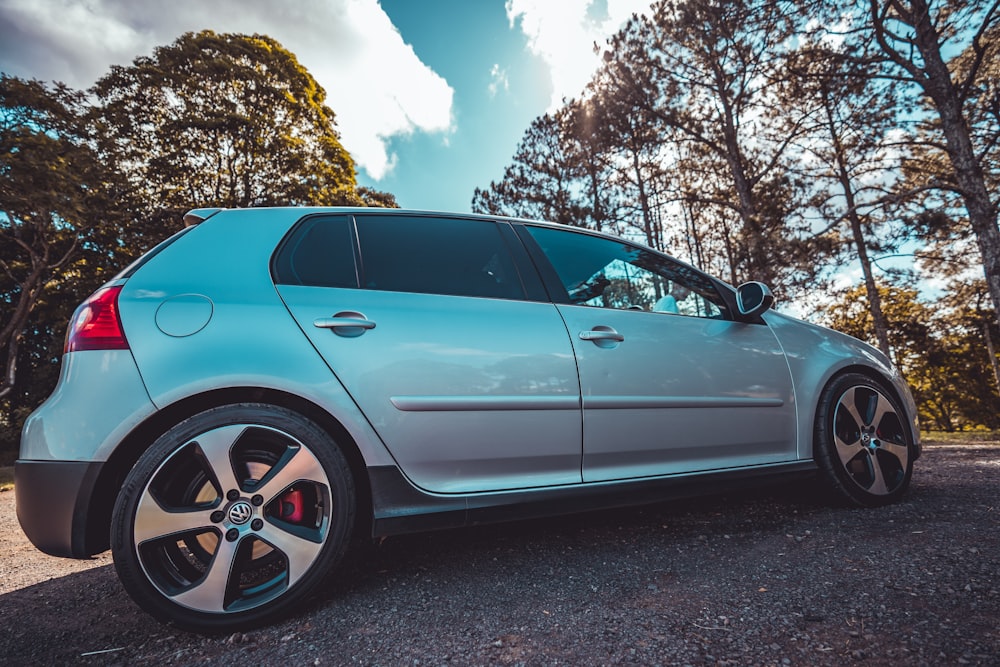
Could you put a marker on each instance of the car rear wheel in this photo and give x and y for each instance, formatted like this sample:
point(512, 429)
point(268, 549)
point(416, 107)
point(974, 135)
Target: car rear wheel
point(233, 517)
point(863, 445)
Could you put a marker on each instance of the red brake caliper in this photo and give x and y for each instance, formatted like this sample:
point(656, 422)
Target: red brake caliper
point(292, 506)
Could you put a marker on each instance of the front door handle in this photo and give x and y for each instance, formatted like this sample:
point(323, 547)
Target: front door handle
point(602, 336)
point(347, 323)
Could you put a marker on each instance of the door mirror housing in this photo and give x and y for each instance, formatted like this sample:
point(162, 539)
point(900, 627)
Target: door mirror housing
point(753, 299)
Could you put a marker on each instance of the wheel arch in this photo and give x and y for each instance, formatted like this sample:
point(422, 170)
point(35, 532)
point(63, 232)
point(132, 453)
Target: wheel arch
point(127, 453)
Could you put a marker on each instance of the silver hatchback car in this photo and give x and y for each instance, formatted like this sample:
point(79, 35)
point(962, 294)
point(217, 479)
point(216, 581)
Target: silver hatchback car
point(269, 386)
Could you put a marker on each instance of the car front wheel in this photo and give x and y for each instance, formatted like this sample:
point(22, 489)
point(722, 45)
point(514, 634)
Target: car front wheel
point(233, 517)
point(863, 445)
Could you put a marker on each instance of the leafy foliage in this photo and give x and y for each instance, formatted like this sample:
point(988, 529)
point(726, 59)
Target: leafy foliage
point(940, 350)
point(53, 192)
point(222, 120)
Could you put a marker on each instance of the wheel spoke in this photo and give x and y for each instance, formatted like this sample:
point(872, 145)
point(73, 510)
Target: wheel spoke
point(152, 521)
point(217, 446)
point(878, 486)
point(300, 552)
point(882, 408)
point(302, 466)
point(847, 451)
point(210, 593)
point(901, 452)
point(847, 402)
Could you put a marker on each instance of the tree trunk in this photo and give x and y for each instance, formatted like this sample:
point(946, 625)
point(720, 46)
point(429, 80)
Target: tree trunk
point(13, 330)
point(935, 79)
point(860, 244)
point(758, 268)
point(993, 354)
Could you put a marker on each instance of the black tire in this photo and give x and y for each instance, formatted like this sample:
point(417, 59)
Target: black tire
point(259, 490)
point(863, 445)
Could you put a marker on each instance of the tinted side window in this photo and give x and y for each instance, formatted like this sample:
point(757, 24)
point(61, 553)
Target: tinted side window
point(436, 256)
point(612, 274)
point(320, 253)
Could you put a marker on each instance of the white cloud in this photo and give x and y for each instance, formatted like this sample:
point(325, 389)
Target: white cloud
point(563, 33)
point(374, 82)
point(498, 80)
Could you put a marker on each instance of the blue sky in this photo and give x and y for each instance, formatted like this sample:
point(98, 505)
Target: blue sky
point(499, 88)
point(431, 96)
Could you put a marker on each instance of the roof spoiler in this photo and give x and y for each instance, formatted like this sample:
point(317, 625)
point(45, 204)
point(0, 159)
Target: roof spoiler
point(194, 216)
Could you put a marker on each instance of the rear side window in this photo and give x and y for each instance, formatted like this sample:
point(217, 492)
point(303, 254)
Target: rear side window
point(436, 256)
point(320, 253)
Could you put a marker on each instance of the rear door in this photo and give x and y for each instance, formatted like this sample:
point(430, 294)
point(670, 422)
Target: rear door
point(670, 384)
point(438, 329)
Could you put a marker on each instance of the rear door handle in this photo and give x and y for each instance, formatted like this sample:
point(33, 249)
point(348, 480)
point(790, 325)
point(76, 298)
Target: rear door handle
point(602, 333)
point(347, 323)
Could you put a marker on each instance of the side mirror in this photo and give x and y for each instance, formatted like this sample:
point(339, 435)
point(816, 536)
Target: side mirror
point(753, 299)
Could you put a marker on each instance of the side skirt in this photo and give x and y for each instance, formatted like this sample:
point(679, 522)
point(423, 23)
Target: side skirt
point(399, 507)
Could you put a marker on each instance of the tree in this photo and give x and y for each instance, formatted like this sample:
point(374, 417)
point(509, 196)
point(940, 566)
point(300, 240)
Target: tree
point(939, 349)
point(968, 320)
point(847, 152)
point(52, 198)
point(586, 133)
point(376, 198)
point(984, 102)
point(541, 182)
point(633, 153)
point(221, 120)
point(708, 71)
point(914, 35)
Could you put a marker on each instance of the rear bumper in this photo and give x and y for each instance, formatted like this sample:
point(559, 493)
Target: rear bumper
point(53, 499)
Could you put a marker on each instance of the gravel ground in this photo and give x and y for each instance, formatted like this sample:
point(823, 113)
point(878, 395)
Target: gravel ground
point(773, 577)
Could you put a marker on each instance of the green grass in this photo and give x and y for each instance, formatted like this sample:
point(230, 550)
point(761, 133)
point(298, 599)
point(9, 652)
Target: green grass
point(960, 437)
point(6, 478)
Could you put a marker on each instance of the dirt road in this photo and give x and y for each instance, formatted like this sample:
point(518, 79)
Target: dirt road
point(773, 577)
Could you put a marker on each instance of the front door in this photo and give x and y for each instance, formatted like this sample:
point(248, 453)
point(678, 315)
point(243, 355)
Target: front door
point(670, 384)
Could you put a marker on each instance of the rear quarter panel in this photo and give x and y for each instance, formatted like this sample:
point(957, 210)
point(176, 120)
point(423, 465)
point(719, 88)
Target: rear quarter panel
point(212, 291)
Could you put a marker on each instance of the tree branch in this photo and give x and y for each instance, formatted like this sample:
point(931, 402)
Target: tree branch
point(979, 50)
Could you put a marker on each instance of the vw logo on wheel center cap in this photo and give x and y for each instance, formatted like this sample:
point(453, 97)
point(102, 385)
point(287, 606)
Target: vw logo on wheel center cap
point(240, 512)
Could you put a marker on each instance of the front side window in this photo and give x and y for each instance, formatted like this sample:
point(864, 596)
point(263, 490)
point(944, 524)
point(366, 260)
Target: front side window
point(604, 273)
point(436, 256)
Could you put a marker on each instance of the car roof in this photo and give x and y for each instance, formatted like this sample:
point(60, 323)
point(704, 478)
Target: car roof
point(196, 216)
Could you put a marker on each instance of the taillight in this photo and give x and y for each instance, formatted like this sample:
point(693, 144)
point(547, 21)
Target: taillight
point(96, 325)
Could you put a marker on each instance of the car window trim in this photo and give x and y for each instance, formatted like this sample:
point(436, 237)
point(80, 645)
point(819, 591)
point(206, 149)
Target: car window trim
point(550, 277)
point(531, 281)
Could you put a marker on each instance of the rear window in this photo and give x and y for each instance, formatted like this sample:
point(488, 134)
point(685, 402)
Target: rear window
point(319, 253)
